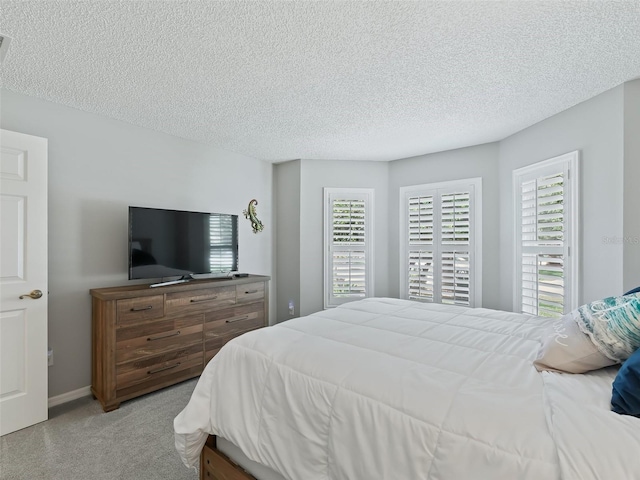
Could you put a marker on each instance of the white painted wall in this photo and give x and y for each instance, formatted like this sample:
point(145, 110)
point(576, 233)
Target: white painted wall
point(631, 235)
point(314, 176)
point(595, 129)
point(97, 168)
point(479, 161)
point(286, 186)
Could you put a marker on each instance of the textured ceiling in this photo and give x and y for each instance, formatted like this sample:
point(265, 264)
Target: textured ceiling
point(361, 80)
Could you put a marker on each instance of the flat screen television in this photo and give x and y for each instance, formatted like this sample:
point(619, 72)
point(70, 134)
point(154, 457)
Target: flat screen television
point(177, 243)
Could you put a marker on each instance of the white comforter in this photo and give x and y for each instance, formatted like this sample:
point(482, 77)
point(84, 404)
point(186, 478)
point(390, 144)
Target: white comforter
point(392, 389)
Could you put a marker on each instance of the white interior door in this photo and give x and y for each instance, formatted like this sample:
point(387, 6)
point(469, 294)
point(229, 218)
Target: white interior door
point(23, 273)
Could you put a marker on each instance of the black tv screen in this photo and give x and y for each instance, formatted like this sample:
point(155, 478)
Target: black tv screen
point(167, 243)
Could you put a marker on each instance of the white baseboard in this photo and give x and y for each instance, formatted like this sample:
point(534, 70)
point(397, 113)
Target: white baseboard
point(67, 397)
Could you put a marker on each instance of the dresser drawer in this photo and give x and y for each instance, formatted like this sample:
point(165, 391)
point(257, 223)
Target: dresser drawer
point(234, 320)
point(157, 337)
point(160, 380)
point(139, 309)
point(205, 298)
point(250, 292)
point(214, 344)
point(156, 367)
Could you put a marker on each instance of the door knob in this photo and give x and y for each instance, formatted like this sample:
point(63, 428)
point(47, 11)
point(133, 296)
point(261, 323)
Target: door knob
point(34, 294)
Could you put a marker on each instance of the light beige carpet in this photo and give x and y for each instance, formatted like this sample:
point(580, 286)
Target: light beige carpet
point(80, 441)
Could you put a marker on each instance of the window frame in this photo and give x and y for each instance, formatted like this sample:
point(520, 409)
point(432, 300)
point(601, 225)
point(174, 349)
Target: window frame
point(569, 164)
point(475, 244)
point(366, 195)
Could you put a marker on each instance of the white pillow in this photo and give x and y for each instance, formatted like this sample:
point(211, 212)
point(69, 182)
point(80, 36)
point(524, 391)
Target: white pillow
point(565, 348)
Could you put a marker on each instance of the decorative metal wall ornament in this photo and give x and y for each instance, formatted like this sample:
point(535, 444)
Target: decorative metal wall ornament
point(251, 215)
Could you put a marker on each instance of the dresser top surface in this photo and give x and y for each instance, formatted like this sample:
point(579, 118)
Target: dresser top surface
point(130, 291)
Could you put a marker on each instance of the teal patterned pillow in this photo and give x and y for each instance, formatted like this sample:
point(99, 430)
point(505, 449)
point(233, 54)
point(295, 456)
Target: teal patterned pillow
point(613, 324)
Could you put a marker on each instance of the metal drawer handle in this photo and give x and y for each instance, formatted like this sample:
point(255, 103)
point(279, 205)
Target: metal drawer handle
point(196, 300)
point(251, 291)
point(162, 369)
point(142, 309)
point(238, 319)
point(160, 337)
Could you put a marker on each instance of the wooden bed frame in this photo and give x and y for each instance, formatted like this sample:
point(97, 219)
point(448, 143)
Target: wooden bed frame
point(215, 465)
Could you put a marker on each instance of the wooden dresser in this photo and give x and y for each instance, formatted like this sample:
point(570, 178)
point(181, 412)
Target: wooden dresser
point(148, 338)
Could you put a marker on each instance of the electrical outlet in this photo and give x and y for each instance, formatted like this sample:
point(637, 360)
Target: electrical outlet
point(292, 308)
point(50, 357)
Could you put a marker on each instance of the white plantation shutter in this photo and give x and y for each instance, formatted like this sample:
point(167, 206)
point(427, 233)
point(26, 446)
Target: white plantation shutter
point(455, 217)
point(439, 223)
point(420, 253)
point(542, 283)
point(348, 245)
point(455, 278)
point(349, 274)
point(456, 240)
point(222, 253)
point(421, 275)
point(421, 219)
point(348, 255)
point(546, 219)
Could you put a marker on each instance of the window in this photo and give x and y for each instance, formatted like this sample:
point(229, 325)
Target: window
point(348, 260)
point(223, 241)
point(440, 239)
point(546, 249)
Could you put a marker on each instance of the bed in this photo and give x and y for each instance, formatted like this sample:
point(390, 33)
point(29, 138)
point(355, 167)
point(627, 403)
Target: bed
point(394, 389)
